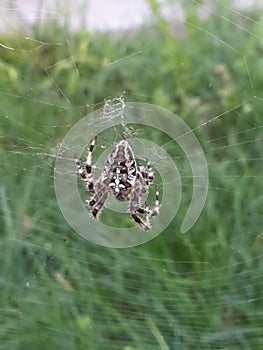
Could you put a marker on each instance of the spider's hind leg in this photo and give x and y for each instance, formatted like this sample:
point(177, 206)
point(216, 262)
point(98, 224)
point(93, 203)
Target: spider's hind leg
point(145, 225)
point(147, 212)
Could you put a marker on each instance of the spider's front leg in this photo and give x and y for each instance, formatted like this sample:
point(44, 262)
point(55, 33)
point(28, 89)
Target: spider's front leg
point(86, 171)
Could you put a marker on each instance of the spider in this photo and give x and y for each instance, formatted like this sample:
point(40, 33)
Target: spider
point(123, 178)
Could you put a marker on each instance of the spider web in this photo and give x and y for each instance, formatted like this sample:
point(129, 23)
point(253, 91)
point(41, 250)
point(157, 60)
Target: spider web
point(202, 289)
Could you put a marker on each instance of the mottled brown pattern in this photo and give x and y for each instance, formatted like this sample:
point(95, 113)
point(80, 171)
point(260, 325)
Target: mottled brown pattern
point(124, 179)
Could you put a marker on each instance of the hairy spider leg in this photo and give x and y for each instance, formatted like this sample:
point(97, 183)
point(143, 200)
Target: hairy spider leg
point(150, 212)
point(147, 173)
point(155, 210)
point(86, 173)
point(99, 198)
point(146, 211)
point(144, 180)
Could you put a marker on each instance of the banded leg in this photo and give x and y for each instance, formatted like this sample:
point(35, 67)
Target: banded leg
point(146, 211)
point(147, 173)
point(86, 171)
point(150, 212)
point(99, 198)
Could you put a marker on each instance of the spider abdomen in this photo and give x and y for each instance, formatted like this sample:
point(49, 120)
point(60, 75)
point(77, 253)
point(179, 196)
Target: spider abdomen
point(120, 169)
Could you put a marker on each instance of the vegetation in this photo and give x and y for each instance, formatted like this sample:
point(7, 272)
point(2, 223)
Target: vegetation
point(200, 290)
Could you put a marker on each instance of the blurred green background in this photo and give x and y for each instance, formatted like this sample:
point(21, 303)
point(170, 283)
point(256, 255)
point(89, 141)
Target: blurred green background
point(200, 290)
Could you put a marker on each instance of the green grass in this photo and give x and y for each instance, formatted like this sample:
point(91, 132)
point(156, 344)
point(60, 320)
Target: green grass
point(201, 290)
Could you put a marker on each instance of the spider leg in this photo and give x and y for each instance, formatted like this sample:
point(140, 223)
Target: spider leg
point(156, 209)
point(145, 225)
point(86, 173)
point(146, 211)
point(135, 205)
point(136, 209)
point(99, 198)
point(147, 173)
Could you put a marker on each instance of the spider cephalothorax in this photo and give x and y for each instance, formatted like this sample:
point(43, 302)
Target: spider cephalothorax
point(124, 179)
